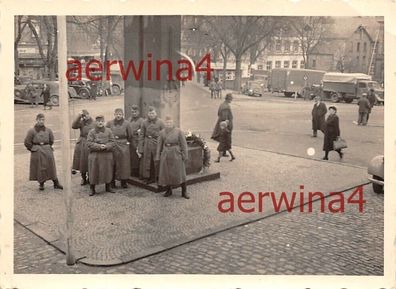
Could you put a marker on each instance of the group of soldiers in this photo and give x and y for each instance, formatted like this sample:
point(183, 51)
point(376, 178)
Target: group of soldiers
point(150, 149)
point(215, 88)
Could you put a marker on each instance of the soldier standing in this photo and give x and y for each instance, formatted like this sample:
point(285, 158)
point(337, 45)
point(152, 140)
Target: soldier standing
point(364, 108)
point(319, 111)
point(172, 155)
point(84, 123)
point(148, 145)
point(39, 141)
point(372, 99)
point(100, 159)
point(123, 136)
point(135, 123)
point(31, 93)
point(46, 96)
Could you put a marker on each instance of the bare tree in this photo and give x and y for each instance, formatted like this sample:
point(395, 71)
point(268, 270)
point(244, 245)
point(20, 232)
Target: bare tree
point(310, 31)
point(240, 33)
point(20, 27)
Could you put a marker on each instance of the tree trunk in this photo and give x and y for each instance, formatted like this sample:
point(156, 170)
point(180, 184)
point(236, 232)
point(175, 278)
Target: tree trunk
point(238, 76)
point(225, 58)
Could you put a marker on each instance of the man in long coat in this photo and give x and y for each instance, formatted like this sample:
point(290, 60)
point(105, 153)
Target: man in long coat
point(148, 145)
point(372, 100)
point(364, 108)
point(46, 93)
point(135, 123)
point(224, 113)
point(84, 123)
point(39, 141)
point(123, 136)
point(172, 155)
point(100, 159)
point(319, 111)
point(331, 132)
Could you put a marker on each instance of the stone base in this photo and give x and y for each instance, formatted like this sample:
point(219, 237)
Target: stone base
point(191, 179)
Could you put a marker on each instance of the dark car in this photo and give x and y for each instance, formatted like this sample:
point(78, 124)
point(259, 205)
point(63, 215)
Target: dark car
point(83, 87)
point(253, 88)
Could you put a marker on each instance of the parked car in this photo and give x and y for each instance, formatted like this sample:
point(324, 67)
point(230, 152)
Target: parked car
point(82, 87)
point(376, 172)
point(20, 95)
point(253, 88)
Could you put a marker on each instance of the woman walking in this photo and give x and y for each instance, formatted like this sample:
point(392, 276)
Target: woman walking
point(331, 133)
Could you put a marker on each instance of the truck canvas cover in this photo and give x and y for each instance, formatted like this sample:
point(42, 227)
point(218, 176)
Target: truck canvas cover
point(345, 77)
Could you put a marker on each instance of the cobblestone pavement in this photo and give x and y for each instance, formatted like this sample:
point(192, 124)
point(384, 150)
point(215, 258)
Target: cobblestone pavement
point(115, 228)
point(350, 243)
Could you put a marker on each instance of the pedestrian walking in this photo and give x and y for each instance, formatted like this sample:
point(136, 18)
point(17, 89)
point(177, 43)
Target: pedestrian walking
point(319, 111)
point(172, 157)
point(372, 99)
point(39, 141)
point(147, 147)
point(364, 108)
point(218, 88)
point(46, 93)
point(224, 113)
point(85, 124)
point(122, 159)
point(31, 93)
point(212, 88)
point(100, 159)
point(135, 123)
point(224, 141)
point(331, 133)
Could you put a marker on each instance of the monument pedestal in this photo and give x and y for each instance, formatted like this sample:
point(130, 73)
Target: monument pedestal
point(194, 170)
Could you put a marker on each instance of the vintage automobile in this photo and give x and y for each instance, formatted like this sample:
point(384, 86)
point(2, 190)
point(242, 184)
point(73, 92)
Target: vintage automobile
point(376, 172)
point(82, 87)
point(20, 95)
point(253, 88)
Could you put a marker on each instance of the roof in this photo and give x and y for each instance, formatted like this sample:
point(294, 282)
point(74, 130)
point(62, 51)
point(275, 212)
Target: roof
point(344, 27)
point(345, 77)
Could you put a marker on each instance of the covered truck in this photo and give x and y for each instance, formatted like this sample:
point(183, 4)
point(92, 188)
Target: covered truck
point(291, 80)
point(349, 86)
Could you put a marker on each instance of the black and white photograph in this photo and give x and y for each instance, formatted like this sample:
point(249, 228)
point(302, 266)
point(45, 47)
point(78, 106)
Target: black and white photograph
point(199, 144)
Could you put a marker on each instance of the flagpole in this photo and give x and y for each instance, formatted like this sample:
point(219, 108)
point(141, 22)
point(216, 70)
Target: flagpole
point(66, 150)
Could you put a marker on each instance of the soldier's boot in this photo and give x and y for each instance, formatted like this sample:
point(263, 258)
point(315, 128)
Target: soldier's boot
point(57, 185)
point(92, 190)
point(108, 188)
point(232, 156)
point(168, 192)
point(113, 184)
point(184, 191)
point(124, 184)
point(41, 187)
point(84, 179)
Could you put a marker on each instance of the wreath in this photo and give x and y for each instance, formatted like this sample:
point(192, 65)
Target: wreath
point(193, 138)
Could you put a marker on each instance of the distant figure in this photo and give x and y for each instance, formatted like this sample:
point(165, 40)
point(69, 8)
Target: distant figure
point(39, 141)
point(332, 132)
point(218, 88)
point(100, 159)
point(372, 99)
point(31, 93)
point(364, 108)
point(224, 141)
point(84, 123)
point(172, 156)
point(319, 111)
point(212, 88)
point(224, 113)
point(46, 93)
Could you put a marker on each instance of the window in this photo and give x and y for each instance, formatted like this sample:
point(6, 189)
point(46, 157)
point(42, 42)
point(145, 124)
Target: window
point(358, 47)
point(302, 64)
point(271, 46)
point(364, 59)
point(286, 64)
point(287, 45)
point(364, 46)
point(278, 45)
point(295, 46)
point(294, 64)
point(313, 63)
point(260, 67)
point(269, 65)
point(277, 64)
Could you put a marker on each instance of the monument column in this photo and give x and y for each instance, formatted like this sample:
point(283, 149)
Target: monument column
point(149, 39)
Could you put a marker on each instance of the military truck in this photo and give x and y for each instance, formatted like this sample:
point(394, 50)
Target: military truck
point(349, 86)
point(290, 81)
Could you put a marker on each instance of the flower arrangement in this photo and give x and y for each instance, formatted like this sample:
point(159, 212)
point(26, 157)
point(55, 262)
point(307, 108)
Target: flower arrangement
point(193, 138)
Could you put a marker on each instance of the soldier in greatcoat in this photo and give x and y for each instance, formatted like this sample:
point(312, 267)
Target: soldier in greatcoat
point(148, 145)
point(46, 93)
point(319, 111)
point(39, 141)
point(172, 156)
point(84, 123)
point(31, 93)
point(135, 123)
point(364, 108)
point(122, 132)
point(372, 100)
point(100, 159)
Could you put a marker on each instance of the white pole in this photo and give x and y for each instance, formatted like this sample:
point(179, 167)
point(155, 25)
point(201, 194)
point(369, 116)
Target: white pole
point(66, 154)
